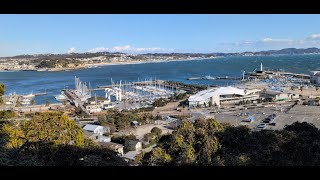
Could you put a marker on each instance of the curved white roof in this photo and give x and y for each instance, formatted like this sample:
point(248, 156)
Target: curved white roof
point(206, 94)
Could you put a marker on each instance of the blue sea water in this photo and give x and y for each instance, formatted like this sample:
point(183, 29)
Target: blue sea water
point(25, 82)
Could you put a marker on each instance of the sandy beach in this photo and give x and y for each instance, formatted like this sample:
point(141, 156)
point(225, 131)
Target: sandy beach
point(141, 62)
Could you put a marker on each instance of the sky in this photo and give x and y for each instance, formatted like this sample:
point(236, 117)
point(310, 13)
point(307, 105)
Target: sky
point(38, 34)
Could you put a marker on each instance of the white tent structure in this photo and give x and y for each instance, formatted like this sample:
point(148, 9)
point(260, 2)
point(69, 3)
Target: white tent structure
point(217, 96)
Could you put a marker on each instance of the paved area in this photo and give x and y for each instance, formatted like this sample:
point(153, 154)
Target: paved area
point(300, 113)
point(140, 131)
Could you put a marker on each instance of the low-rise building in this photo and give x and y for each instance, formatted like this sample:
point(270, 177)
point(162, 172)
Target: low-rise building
point(96, 104)
point(136, 145)
point(222, 95)
point(315, 77)
point(271, 95)
point(95, 133)
point(112, 146)
point(96, 129)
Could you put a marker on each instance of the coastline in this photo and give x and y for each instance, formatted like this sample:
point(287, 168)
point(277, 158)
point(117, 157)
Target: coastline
point(143, 62)
point(89, 66)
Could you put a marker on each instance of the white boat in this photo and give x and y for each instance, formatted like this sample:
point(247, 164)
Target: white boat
point(25, 102)
point(60, 97)
point(209, 77)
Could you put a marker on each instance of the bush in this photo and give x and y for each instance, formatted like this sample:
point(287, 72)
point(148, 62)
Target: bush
point(157, 131)
point(159, 102)
point(124, 140)
point(7, 114)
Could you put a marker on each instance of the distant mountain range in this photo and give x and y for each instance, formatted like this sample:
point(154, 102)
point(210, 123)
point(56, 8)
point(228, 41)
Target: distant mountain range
point(286, 51)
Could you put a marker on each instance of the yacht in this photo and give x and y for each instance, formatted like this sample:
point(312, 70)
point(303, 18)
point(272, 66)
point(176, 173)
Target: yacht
point(209, 77)
point(60, 97)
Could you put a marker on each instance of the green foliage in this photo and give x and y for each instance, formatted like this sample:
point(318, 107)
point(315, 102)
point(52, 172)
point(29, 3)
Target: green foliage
point(48, 103)
point(33, 102)
point(122, 120)
point(157, 131)
point(48, 127)
point(159, 102)
point(102, 119)
point(7, 114)
point(207, 142)
point(176, 97)
point(124, 140)
point(2, 90)
point(54, 62)
point(51, 139)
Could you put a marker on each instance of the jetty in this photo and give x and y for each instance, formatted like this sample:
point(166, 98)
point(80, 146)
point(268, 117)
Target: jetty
point(215, 78)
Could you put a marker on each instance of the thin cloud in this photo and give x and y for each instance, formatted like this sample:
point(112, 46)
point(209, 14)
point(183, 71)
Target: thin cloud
point(72, 50)
point(313, 40)
point(314, 37)
point(98, 49)
point(129, 48)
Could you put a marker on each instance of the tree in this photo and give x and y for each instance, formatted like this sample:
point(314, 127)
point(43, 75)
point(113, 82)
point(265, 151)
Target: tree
point(101, 119)
point(2, 90)
point(7, 114)
point(51, 139)
point(47, 127)
point(157, 131)
point(33, 102)
point(48, 103)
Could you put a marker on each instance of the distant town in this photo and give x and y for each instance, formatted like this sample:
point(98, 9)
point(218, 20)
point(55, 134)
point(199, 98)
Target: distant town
point(66, 62)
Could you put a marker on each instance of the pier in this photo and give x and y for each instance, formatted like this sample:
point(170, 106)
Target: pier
point(215, 78)
point(40, 94)
point(74, 99)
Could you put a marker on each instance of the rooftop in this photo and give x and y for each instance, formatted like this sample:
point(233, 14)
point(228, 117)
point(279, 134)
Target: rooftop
point(110, 145)
point(98, 98)
point(206, 94)
point(271, 92)
point(91, 127)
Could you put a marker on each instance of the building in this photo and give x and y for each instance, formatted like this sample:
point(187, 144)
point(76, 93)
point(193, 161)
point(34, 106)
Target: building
point(271, 95)
point(315, 77)
point(112, 146)
point(222, 95)
point(136, 145)
point(95, 133)
point(96, 129)
point(96, 104)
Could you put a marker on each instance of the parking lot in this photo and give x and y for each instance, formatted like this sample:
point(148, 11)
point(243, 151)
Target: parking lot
point(300, 113)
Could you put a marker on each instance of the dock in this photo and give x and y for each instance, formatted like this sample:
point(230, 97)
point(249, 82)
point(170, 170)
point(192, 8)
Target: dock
point(75, 100)
point(40, 94)
point(215, 78)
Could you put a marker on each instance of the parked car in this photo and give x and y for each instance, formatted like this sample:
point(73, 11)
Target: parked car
point(247, 120)
point(272, 124)
point(267, 120)
point(261, 126)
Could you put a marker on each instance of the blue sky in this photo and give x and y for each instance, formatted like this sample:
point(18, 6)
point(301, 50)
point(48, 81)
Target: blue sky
point(33, 34)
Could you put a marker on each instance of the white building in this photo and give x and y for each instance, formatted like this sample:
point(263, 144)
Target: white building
point(222, 95)
point(315, 77)
point(96, 132)
point(96, 129)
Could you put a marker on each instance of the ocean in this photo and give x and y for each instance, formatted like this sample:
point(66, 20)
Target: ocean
point(25, 82)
